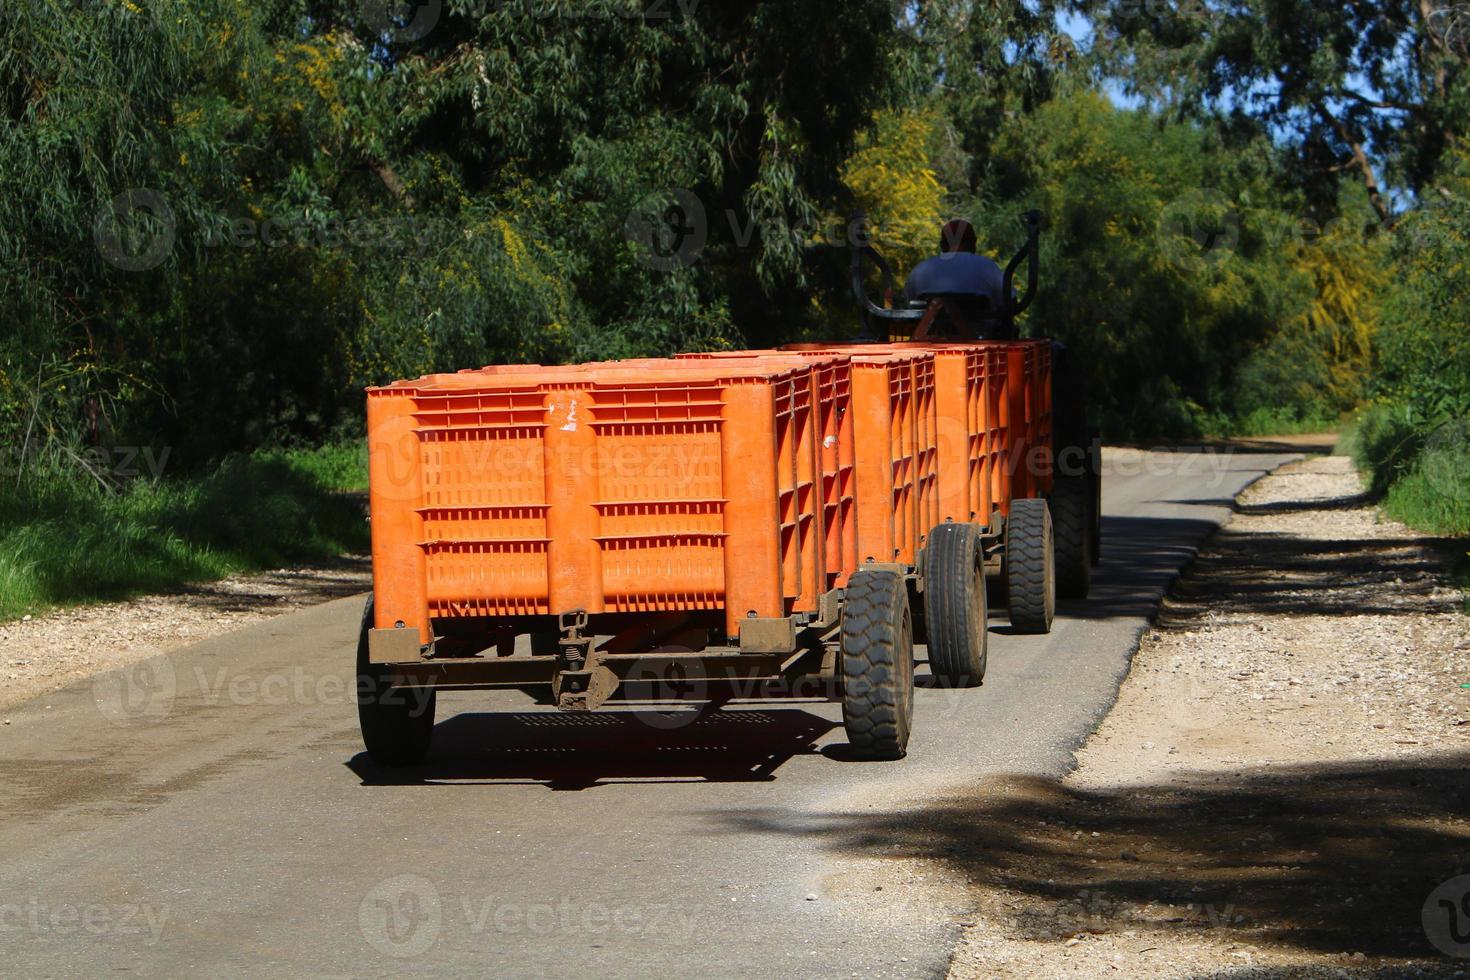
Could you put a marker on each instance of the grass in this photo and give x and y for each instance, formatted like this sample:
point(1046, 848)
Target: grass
point(1279, 422)
point(341, 466)
point(64, 540)
point(1423, 478)
point(1425, 498)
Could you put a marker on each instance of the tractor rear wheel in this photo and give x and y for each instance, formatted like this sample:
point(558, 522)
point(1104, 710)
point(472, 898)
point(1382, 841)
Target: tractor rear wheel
point(1030, 567)
point(955, 609)
point(1071, 512)
point(397, 722)
point(877, 663)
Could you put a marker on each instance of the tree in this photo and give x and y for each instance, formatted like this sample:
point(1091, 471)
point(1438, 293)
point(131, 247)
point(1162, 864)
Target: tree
point(1375, 88)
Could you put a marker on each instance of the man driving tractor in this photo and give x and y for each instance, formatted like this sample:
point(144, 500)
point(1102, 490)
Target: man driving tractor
point(957, 294)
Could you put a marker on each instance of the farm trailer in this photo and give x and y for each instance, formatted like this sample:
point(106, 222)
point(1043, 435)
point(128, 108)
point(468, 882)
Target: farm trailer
point(758, 524)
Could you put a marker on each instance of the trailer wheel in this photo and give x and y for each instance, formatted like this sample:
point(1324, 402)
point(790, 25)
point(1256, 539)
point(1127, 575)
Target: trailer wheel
point(1030, 570)
point(955, 609)
point(1071, 512)
point(397, 724)
point(877, 665)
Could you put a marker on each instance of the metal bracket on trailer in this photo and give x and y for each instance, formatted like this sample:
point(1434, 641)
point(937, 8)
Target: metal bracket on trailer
point(768, 635)
point(583, 681)
point(395, 646)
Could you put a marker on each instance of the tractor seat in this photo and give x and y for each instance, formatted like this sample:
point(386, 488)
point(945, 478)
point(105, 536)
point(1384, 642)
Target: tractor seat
point(963, 277)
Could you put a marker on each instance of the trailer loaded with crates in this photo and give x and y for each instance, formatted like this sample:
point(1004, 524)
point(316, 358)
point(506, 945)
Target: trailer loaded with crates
point(734, 526)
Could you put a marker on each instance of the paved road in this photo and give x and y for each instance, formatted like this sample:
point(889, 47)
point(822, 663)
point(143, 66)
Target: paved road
point(210, 812)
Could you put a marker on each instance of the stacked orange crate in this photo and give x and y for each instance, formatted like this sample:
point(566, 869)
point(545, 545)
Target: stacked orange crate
point(834, 394)
point(539, 491)
point(994, 409)
point(895, 432)
point(1028, 366)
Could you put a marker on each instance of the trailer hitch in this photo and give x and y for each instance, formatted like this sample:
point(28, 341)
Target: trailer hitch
point(583, 681)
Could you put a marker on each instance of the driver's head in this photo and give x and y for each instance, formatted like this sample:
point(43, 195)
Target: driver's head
point(958, 236)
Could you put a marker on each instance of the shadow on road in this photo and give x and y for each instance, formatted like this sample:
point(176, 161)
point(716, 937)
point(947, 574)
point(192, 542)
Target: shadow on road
point(582, 751)
point(1327, 858)
point(1252, 574)
point(1142, 557)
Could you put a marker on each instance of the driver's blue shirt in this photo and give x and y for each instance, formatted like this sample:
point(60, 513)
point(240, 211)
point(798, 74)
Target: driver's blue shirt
point(957, 274)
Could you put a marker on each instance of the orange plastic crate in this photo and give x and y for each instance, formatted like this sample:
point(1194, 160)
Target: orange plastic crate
point(834, 399)
point(1012, 432)
point(539, 491)
point(1029, 393)
point(895, 435)
point(970, 415)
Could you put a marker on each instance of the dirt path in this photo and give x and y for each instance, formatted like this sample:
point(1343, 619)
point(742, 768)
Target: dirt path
point(40, 654)
point(1281, 789)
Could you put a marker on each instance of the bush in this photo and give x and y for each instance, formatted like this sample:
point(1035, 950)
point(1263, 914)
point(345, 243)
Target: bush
point(64, 539)
point(1423, 500)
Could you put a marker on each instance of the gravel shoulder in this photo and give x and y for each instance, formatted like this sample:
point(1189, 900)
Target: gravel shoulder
point(1281, 787)
point(41, 654)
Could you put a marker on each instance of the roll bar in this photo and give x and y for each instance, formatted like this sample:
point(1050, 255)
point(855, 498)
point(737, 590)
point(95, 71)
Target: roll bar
point(913, 313)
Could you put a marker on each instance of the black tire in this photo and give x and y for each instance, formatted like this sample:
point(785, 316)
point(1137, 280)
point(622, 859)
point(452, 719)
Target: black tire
point(955, 609)
point(877, 665)
point(1030, 569)
point(397, 723)
point(1071, 514)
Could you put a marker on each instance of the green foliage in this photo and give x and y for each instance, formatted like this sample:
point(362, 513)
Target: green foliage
point(63, 539)
point(1167, 264)
point(1434, 495)
point(1375, 88)
point(1416, 441)
point(340, 467)
point(337, 206)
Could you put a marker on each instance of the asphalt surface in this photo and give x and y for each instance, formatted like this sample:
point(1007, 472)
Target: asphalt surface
point(211, 812)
